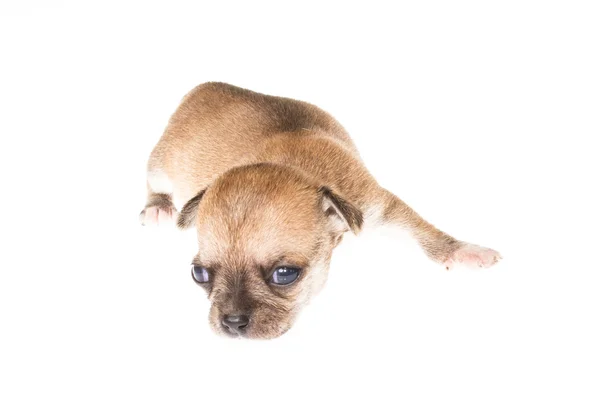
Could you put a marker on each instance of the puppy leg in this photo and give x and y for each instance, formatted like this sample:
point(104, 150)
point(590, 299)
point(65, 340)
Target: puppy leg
point(438, 245)
point(159, 209)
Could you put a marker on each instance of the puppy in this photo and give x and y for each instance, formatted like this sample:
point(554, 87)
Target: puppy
point(271, 184)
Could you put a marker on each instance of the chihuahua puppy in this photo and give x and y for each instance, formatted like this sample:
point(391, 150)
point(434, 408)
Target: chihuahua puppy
point(271, 184)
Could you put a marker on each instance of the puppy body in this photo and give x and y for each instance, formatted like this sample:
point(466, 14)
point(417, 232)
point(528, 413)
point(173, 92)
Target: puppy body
point(218, 126)
point(267, 182)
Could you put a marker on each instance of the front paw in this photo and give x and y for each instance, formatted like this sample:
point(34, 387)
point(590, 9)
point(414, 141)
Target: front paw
point(158, 215)
point(473, 256)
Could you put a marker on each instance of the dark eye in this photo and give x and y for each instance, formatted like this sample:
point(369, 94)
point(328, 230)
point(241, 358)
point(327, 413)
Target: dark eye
point(285, 275)
point(200, 274)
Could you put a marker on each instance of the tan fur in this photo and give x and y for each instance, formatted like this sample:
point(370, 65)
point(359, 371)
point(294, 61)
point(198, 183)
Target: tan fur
point(270, 182)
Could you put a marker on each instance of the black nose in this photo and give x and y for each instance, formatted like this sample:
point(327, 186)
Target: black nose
point(235, 323)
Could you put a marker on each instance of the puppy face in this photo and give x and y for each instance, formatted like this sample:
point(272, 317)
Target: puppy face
point(265, 237)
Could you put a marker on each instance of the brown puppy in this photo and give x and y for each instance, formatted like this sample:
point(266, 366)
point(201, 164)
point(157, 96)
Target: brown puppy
point(271, 185)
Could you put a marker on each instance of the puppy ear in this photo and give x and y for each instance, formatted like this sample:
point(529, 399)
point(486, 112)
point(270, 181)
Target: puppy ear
point(187, 216)
point(343, 215)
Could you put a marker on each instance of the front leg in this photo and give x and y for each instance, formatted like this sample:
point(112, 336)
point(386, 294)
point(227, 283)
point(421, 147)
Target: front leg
point(438, 245)
point(159, 210)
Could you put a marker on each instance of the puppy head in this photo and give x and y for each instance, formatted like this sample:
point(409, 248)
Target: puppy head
point(265, 237)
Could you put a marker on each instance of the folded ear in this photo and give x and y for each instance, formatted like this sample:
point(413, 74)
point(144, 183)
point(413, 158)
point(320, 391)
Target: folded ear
point(342, 215)
point(187, 215)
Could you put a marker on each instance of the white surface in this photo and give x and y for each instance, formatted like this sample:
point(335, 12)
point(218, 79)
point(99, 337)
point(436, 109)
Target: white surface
point(482, 116)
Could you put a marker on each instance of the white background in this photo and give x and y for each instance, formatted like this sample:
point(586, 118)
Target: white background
point(484, 116)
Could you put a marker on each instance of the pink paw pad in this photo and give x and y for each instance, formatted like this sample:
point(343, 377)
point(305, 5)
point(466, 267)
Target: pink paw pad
point(473, 256)
point(155, 216)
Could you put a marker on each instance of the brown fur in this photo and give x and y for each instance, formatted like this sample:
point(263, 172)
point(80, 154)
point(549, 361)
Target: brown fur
point(270, 182)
